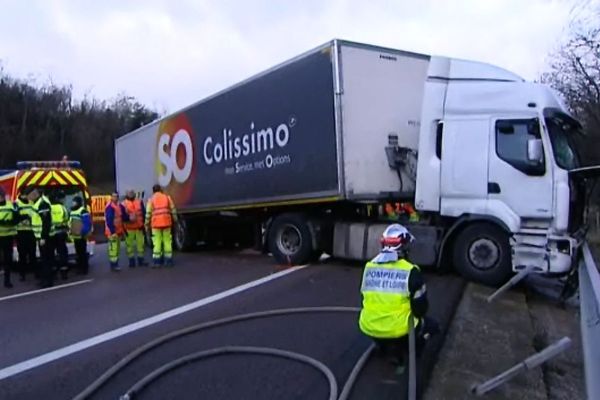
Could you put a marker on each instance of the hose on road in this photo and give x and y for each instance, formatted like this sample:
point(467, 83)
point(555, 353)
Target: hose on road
point(145, 381)
point(111, 372)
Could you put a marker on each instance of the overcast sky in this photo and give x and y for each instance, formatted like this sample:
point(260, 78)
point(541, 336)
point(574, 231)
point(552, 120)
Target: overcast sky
point(171, 53)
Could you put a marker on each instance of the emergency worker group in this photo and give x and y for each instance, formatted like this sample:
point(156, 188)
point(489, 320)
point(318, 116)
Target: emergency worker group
point(130, 220)
point(40, 226)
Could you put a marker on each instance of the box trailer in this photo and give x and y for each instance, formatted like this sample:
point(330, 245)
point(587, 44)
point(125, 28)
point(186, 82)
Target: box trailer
point(303, 159)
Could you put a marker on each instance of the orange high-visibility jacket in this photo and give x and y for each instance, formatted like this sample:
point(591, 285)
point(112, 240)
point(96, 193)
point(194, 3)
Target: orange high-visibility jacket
point(134, 209)
point(160, 211)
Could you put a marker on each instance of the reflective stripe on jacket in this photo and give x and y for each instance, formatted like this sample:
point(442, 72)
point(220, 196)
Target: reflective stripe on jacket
point(26, 211)
point(386, 299)
point(60, 219)
point(160, 211)
point(37, 222)
point(7, 219)
point(134, 209)
point(113, 220)
point(80, 223)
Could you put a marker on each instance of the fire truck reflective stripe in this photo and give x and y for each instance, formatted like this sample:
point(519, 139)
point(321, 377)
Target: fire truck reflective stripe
point(80, 177)
point(23, 178)
point(36, 177)
point(57, 177)
point(46, 179)
point(67, 175)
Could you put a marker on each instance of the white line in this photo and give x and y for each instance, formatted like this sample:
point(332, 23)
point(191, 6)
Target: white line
point(14, 296)
point(93, 341)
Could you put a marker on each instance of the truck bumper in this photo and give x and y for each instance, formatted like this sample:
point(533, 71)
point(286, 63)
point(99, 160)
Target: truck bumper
point(552, 254)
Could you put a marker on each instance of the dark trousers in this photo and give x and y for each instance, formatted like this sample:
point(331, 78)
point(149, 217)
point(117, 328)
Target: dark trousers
point(59, 245)
point(47, 268)
point(6, 248)
point(397, 348)
point(26, 247)
point(81, 255)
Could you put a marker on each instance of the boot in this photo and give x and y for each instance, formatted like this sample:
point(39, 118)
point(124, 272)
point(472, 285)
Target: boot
point(169, 262)
point(114, 266)
point(142, 262)
point(8, 284)
point(131, 262)
point(156, 263)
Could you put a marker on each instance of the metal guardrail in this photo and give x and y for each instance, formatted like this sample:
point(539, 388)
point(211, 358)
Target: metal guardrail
point(589, 294)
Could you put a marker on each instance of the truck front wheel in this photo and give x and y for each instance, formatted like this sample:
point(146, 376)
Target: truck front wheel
point(482, 254)
point(290, 239)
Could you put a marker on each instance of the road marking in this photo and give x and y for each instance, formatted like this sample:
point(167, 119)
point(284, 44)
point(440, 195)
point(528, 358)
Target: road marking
point(66, 285)
point(104, 337)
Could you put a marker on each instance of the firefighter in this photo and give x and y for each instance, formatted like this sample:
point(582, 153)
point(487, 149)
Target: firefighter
point(134, 229)
point(160, 216)
point(41, 223)
point(394, 291)
point(8, 231)
point(114, 217)
point(81, 226)
point(59, 233)
point(26, 244)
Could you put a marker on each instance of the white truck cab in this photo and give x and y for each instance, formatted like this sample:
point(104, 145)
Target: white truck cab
point(495, 152)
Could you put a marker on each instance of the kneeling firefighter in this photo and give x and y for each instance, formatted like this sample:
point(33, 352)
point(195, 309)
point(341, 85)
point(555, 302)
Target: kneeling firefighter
point(394, 291)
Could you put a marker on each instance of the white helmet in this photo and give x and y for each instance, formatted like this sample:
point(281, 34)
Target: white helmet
point(395, 237)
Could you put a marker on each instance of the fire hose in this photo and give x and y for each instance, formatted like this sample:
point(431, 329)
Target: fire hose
point(134, 390)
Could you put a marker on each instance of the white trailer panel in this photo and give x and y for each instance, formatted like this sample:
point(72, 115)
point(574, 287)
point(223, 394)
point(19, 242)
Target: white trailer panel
point(134, 160)
point(382, 92)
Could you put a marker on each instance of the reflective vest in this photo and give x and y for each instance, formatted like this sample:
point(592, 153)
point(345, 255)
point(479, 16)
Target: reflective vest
point(7, 223)
point(26, 212)
point(36, 219)
point(386, 299)
point(117, 220)
point(160, 206)
point(134, 210)
point(76, 223)
point(60, 219)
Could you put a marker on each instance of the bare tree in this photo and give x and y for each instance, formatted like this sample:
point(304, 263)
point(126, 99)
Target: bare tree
point(575, 73)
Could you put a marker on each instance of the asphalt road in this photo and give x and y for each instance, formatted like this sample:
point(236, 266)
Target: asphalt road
point(44, 322)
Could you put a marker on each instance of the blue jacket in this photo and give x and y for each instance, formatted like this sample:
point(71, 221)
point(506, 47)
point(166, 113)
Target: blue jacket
point(86, 222)
point(109, 217)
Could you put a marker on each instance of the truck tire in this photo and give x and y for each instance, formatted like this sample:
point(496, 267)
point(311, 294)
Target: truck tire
point(183, 236)
point(482, 254)
point(290, 239)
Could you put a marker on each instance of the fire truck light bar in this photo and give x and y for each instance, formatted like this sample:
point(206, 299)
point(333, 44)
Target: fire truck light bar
point(48, 164)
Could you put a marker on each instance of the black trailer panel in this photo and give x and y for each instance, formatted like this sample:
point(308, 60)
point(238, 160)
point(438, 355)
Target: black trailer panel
point(269, 139)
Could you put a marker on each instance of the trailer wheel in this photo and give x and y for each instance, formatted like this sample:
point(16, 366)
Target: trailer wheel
point(290, 239)
point(183, 235)
point(482, 254)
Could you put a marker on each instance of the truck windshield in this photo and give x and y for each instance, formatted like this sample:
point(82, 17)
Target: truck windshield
point(563, 130)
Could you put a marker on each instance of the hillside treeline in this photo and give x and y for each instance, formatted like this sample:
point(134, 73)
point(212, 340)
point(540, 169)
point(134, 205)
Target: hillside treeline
point(45, 122)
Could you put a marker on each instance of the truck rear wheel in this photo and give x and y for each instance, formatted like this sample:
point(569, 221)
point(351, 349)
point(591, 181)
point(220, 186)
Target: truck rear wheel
point(290, 239)
point(183, 236)
point(482, 254)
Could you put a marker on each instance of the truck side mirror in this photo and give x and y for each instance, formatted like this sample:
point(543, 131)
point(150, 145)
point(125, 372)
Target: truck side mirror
point(535, 151)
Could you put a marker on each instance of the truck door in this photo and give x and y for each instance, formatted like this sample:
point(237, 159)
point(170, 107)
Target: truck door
point(517, 176)
point(464, 155)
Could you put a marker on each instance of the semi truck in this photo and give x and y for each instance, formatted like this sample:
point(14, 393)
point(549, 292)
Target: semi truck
point(307, 157)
